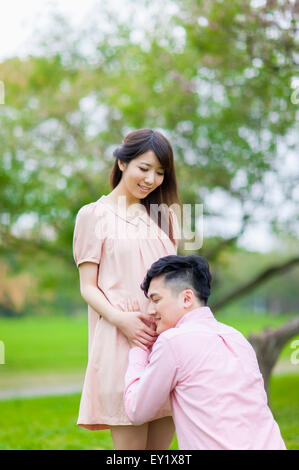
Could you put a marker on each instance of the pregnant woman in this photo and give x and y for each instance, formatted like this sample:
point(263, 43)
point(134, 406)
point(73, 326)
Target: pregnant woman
point(116, 240)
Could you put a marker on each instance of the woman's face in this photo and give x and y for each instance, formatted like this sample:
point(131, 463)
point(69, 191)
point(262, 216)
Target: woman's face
point(142, 175)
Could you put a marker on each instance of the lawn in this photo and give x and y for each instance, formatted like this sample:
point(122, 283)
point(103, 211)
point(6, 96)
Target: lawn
point(39, 344)
point(42, 349)
point(50, 422)
point(58, 344)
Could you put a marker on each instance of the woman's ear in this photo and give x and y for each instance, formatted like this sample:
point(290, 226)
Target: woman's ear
point(121, 165)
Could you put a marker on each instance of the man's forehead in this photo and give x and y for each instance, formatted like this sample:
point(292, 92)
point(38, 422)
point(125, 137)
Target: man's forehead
point(156, 287)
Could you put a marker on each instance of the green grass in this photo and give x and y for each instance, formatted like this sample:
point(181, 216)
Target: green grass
point(44, 344)
point(50, 422)
point(285, 407)
point(47, 423)
point(58, 344)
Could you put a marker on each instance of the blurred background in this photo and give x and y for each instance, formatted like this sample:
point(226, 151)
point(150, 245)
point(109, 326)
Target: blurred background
point(220, 79)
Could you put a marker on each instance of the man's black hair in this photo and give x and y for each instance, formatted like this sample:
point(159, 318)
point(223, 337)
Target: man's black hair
point(182, 272)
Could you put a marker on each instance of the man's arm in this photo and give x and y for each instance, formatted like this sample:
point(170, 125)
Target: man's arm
point(149, 380)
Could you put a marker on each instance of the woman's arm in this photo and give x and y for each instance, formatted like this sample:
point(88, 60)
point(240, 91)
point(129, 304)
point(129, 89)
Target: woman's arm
point(130, 323)
point(92, 295)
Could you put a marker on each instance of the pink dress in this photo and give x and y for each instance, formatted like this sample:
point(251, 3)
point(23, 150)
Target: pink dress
point(124, 246)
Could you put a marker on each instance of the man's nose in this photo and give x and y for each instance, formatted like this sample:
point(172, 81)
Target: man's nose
point(151, 309)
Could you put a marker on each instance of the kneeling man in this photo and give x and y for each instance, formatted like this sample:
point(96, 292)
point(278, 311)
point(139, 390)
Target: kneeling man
point(208, 369)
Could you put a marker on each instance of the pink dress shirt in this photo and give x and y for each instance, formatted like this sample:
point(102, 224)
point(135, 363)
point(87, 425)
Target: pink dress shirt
point(211, 374)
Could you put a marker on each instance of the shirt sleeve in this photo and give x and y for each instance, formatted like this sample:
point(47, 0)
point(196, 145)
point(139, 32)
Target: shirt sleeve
point(149, 380)
point(88, 235)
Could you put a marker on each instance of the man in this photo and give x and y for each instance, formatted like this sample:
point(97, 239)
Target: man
point(208, 369)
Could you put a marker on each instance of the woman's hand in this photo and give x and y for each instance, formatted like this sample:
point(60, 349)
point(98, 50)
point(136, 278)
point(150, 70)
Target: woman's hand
point(139, 328)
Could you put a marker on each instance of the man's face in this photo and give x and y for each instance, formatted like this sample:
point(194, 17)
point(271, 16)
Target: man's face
point(165, 306)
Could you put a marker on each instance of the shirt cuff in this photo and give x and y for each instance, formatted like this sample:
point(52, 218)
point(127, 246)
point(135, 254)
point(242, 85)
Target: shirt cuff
point(138, 356)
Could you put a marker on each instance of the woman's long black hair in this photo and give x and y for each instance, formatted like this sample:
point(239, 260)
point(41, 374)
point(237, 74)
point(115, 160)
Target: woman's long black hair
point(141, 141)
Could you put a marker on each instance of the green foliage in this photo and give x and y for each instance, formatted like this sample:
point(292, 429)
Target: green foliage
point(234, 266)
point(216, 80)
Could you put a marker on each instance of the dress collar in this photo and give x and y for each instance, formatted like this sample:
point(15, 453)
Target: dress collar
point(198, 315)
point(128, 215)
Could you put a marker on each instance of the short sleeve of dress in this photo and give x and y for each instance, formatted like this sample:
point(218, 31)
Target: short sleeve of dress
point(88, 235)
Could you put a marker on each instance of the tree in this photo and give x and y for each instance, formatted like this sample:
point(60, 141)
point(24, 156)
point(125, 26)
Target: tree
point(216, 80)
point(268, 345)
point(228, 72)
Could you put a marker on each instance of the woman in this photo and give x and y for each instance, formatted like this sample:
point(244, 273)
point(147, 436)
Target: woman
point(113, 247)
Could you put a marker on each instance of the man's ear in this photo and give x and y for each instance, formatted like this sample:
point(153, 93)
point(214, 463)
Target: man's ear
point(188, 296)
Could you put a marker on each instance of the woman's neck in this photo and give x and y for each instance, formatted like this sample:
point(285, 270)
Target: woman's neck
point(119, 191)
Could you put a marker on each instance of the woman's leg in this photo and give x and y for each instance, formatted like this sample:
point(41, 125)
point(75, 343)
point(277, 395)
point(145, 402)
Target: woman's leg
point(129, 437)
point(160, 433)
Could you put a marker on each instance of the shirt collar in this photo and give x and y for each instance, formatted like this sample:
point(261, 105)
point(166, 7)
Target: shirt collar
point(198, 315)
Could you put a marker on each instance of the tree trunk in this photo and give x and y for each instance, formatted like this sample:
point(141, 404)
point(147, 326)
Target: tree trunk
point(7, 311)
point(268, 345)
point(265, 275)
